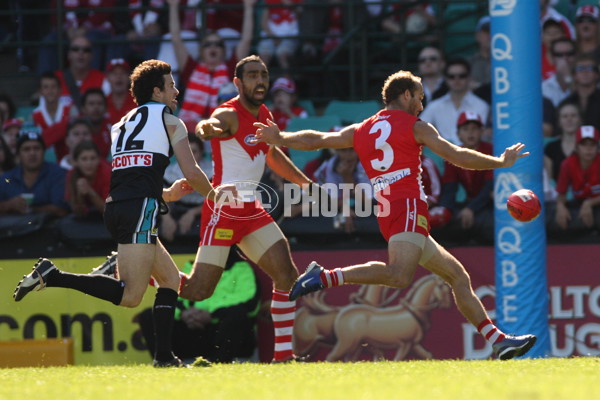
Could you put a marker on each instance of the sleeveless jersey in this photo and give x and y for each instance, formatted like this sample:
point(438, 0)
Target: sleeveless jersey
point(235, 159)
point(390, 155)
point(140, 153)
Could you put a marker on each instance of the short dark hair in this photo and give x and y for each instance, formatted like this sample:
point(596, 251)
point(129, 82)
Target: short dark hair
point(50, 75)
point(398, 83)
point(83, 146)
point(9, 158)
point(91, 92)
point(145, 77)
point(12, 108)
point(458, 61)
point(239, 67)
point(79, 121)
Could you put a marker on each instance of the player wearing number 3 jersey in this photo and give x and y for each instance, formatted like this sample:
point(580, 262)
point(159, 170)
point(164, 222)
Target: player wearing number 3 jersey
point(389, 146)
point(142, 143)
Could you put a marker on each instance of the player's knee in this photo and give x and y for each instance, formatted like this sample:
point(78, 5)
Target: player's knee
point(197, 294)
point(400, 281)
point(131, 300)
point(459, 279)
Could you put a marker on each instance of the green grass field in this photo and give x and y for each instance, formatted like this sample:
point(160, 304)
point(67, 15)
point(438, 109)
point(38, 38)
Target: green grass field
point(555, 378)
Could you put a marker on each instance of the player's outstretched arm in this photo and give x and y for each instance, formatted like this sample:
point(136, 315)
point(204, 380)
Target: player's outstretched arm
point(220, 124)
point(306, 139)
point(426, 134)
point(284, 167)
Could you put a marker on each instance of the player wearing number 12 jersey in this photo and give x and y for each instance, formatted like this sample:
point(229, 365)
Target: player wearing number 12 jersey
point(141, 145)
point(389, 146)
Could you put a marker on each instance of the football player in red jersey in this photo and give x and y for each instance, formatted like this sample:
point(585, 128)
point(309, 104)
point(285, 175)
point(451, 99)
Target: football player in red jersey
point(389, 146)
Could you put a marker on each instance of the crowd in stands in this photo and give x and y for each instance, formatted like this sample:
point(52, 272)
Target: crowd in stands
point(56, 161)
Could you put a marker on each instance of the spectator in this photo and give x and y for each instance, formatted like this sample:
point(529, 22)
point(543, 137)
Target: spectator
point(183, 217)
point(313, 165)
point(344, 168)
point(88, 183)
point(560, 85)
point(119, 101)
point(569, 121)
point(586, 93)
point(474, 216)
point(551, 31)
point(189, 25)
point(227, 92)
point(10, 133)
point(52, 109)
point(8, 109)
point(580, 172)
point(78, 130)
point(431, 70)
point(444, 112)
point(206, 76)
point(548, 12)
point(220, 328)
point(548, 117)
point(79, 76)
point(586, 25)
point(285, 106)
point(327, 20)
point(400, 18)
point(93, 107)
point(43, 182)
point(7, 158)
point(480, 61)
point(96, 25)
point(279, 27)
point(226, 18)
point(146, 30)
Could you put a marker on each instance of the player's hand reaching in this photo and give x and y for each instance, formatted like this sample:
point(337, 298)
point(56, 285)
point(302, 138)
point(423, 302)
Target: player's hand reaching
point(512, 154)
point(208, 129)
point(267, 133)
point(178, 189)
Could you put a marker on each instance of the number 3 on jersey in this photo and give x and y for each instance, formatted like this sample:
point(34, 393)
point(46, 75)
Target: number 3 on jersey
point(384, 129)
point(131, 129)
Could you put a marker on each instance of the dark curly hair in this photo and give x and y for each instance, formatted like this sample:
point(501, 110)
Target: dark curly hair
point(145, 77)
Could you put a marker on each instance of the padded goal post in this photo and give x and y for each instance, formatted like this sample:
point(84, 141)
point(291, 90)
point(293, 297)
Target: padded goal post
point(521, 283)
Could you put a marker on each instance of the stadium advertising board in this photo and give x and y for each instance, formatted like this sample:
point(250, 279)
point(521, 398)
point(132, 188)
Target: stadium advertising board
point(102, 332)
point(358, 322)
point(372, 322)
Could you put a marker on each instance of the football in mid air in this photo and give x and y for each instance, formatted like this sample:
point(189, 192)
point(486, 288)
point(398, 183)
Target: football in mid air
point(523, 205)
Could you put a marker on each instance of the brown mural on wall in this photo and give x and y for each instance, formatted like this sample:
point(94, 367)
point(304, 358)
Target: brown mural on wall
point(379, 323)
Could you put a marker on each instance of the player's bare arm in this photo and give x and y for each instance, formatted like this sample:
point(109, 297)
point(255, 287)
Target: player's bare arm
point(177, 190)
point(426, 134)
point(284, 167)
point(306, 139)
point(222, 123)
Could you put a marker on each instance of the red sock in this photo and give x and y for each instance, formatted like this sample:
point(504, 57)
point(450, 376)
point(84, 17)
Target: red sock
point(182, 276)
point(283, 313)
point(331, 278)
point(490, 332)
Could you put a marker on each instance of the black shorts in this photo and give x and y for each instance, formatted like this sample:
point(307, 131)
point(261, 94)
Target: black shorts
point(133, 220)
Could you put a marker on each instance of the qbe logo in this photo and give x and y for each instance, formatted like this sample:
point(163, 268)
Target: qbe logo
point(501, 8)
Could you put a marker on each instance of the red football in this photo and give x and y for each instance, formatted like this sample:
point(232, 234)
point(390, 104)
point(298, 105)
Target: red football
point(523, 205)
